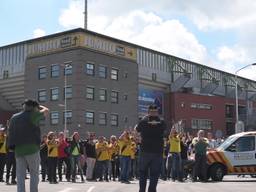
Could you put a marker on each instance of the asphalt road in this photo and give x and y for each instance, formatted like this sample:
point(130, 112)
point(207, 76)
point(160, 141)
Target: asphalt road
point(229, 184)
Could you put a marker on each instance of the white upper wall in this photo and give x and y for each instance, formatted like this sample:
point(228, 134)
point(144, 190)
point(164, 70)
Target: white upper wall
point(12, 59)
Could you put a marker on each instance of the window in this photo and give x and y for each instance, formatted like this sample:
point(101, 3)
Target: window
point(5, 74)
point(103, 72)
point(68, 69)
point(114, 74)
point(89, 69)
point(125, 97)
point(102, 118)
point(41, 95)
point(103, 95)
point(89, 117)
point(114, 120)
point(54, 118)
point(55, 70)
point(126, 75)
point(114, 97)
point(42, 73)
point(68, 116)
point(230, 111)
point(68, 92)
point(55, 94)
point(201, 124)
point(90, 93)
point(243, 144)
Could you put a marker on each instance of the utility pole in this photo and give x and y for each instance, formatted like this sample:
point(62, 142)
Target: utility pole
point(85, 14)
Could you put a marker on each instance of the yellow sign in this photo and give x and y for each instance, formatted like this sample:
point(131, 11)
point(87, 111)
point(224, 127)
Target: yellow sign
point(81, 40)
point(110, 47)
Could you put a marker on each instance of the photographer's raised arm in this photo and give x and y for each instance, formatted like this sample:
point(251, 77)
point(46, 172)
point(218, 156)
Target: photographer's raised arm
point(44, 110)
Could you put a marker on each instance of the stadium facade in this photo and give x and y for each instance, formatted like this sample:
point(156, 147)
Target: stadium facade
point(92, 82)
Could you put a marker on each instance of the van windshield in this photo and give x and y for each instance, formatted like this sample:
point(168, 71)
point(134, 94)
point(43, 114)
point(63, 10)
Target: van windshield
point(227, 143)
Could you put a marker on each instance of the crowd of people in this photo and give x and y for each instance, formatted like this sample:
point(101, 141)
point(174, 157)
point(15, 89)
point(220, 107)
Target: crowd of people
point(103, 159)
point(149, 151)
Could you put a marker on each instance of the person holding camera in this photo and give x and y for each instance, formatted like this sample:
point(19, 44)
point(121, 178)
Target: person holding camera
point(152, 130)
point(24, 138)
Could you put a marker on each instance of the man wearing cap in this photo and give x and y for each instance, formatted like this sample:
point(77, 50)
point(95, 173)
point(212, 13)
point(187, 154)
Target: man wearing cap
point(152, 130)
point(24, 137)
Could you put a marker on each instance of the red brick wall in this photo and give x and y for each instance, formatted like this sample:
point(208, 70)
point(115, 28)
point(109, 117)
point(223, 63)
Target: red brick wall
point(180, 109)
point(4, 116)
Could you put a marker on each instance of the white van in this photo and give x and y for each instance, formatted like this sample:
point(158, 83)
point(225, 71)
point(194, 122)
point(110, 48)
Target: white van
point(235, 156)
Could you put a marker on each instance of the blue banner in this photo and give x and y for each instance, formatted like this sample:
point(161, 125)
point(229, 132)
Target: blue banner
point(148, 97)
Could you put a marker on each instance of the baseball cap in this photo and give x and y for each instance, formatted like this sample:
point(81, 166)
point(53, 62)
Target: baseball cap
point(31, 102)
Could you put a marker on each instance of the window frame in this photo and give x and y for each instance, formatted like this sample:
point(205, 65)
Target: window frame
point(102, 72)
point(40, 73)
point(115, 99)
point(40, 96)
point(51, 92)
point(89, 118)
point(68, 67)
point(100, 118)
point(57, 71)
point(51, 117)
point(87, 70)
point(88, 93)
point(69, 118)
point(65, 94)
point(114, 120)
point(114, 76)
point(105, 94)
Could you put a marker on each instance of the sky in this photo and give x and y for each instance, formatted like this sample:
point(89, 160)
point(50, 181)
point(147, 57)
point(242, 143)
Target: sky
point(216, 33)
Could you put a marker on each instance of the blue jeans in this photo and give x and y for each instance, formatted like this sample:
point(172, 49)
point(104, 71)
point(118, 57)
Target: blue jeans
point(22, 163)
point(149, 163)
point(125, 167)
point(176, 166)
point(163, 169)
point(75, 161)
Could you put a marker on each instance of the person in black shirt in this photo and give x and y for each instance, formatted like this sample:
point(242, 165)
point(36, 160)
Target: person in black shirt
point(152, 131)
point(90, 152)
point(184, 156)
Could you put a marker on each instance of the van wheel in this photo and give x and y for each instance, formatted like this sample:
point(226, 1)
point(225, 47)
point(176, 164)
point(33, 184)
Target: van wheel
point(217, 172)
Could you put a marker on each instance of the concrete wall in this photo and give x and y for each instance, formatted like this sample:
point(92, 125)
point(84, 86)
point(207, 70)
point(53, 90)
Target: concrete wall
point(79, 80)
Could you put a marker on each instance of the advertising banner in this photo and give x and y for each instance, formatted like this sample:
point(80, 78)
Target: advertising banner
point(148, 97)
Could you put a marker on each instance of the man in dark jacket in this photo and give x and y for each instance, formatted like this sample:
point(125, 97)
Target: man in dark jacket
point(152, 131)
point(24, 137)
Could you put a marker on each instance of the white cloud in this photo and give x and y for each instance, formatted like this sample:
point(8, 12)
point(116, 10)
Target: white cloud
point(231, 59)
point(142, 28)
point(38, 33)
point(217, 14)
point(72, 16)
point(141, 22)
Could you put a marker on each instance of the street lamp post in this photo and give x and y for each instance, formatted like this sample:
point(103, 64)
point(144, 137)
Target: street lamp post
point(66, 66)
point(237, 116)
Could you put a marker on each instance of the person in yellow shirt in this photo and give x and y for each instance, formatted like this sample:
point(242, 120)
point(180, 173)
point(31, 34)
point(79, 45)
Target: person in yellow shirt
point(114, 158)
point(125, 156)
point(52, 144)
point(3, 152)
point(133, 150)
point(102, 151)
point(175, 149)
